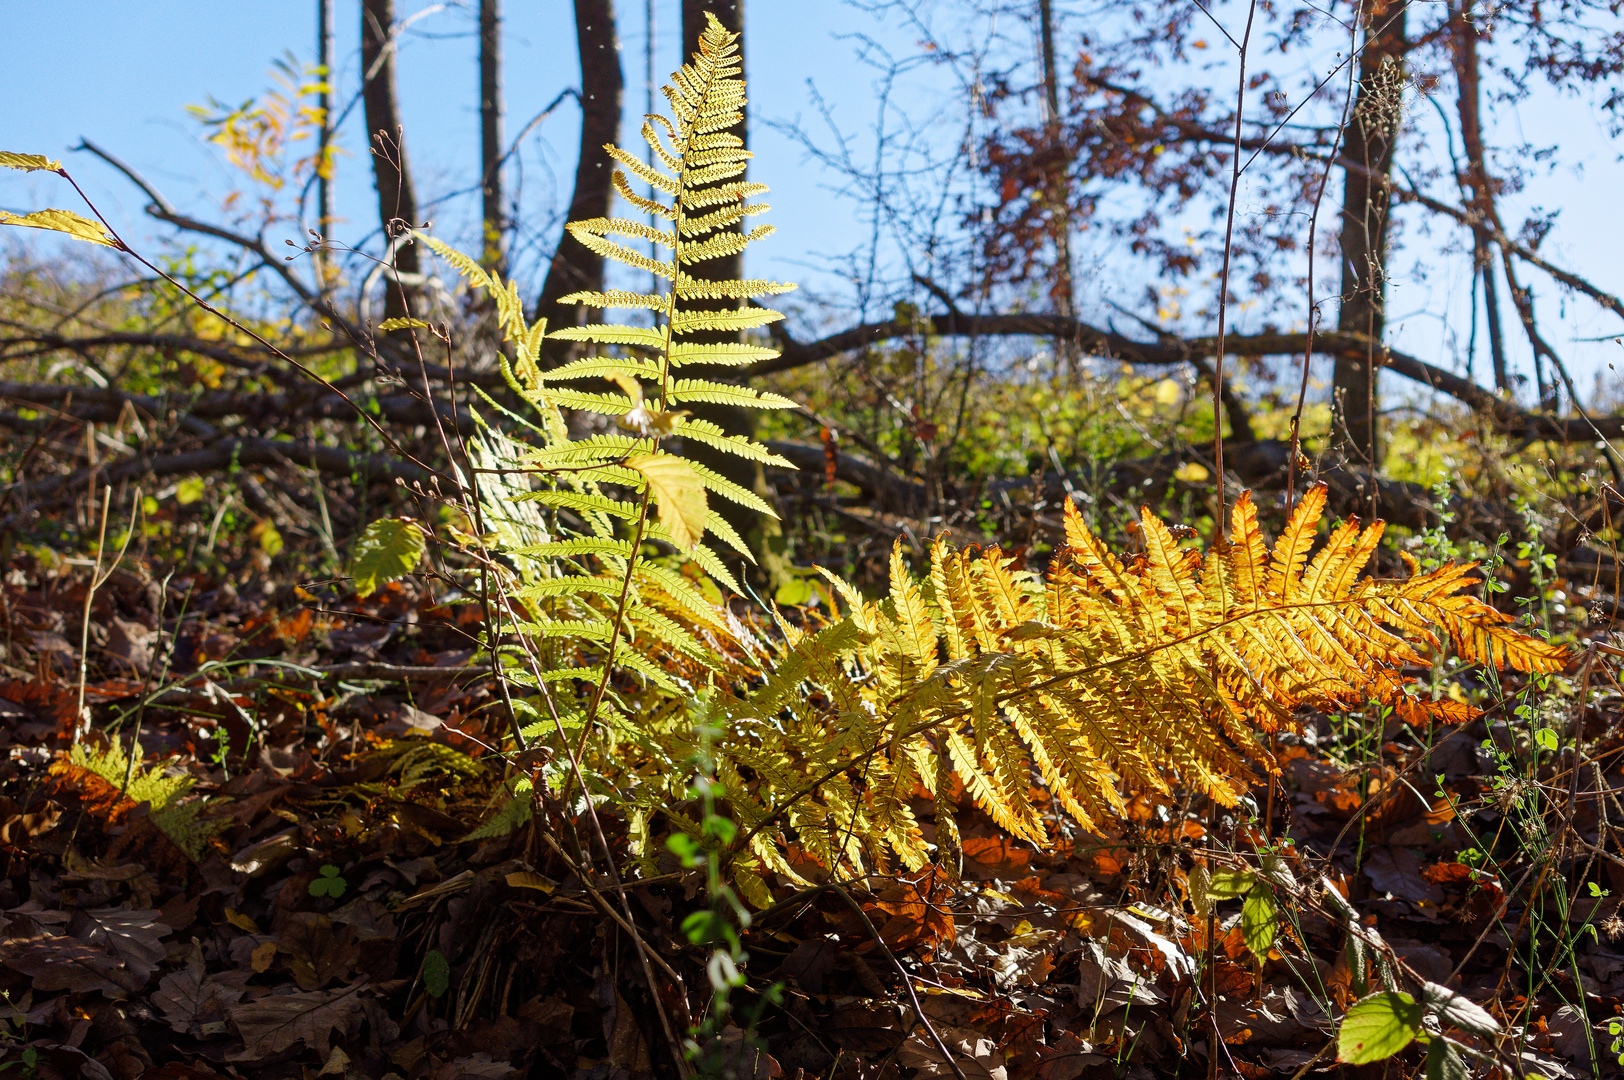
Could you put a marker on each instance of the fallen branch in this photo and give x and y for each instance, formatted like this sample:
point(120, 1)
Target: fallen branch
point(1507, 416)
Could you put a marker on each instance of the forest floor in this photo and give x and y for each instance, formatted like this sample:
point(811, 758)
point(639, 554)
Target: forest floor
point(294, 881)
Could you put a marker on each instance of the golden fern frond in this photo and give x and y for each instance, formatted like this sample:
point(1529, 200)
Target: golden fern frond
point(725, 394)
point(692, 322)
point(623, 188)
point(718, 354)
point(1152, 672)
point(616, 298)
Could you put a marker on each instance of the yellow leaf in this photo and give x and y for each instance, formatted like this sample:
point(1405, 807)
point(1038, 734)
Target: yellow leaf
point(404, 324)
point(526, 879)
point(629, 386)
point(62, 221)
point(677, 492)
point(1191, 473)
point(28, 162)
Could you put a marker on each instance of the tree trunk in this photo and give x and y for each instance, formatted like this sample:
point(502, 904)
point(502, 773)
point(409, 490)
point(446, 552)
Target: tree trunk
point(1062, 292)
point(490, 131)
point(575, 268)
point(392, 174)
point(324, 101)
point(731, 419)
point(1367, 203)
point(1463, 38)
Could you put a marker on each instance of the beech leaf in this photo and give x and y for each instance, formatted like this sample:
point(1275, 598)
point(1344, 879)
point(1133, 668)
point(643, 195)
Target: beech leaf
point(28, 162)
point(387, 551)
point(678, 493)
point(62, 221)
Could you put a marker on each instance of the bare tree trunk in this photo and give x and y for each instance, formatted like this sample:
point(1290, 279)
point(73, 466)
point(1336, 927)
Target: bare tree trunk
point(733, 420)
point(1367, 203)
point(397, 201)
point(490, 131)
point(730, 13)
point(1062, 292)
point(324, 101)
point(575, 268)
point(1463, 37)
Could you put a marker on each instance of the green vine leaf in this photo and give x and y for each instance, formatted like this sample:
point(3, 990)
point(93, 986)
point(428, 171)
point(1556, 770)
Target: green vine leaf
point(387, 551)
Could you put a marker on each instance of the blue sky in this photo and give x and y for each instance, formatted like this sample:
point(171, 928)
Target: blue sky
point(121, 74)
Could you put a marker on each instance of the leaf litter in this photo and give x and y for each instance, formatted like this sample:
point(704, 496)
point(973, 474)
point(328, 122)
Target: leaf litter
point(329, 905)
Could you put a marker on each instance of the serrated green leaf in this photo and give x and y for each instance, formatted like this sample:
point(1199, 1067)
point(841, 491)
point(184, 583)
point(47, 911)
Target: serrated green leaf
point(388, 550)
point(1444, 1062)
point(436, 974)
point(678, 494)
point(1229, 884)
point(404, 324)
point(28, 162)
point(1378, 1027)
point(62, 221)
point(1259, 918)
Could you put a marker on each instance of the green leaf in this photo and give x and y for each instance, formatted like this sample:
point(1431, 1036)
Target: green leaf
point(436, 973)
point(329, 883)
point(1258, 920)
point(678, 493)
point(28, 162)
point(1230, 884)
point(62, 221)
point(1444, 1062)
point(1378, 1027)
point(189, 490)
point(404, 324)
point(388, 550)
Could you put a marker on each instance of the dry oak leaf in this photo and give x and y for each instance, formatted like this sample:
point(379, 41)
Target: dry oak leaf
point(65, 963)
point(280, 1022)
point(134, 937)
point(189, 999)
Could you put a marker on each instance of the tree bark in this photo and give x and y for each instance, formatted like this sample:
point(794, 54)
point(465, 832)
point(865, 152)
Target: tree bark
point(731, 419)
point(1062, 292)
point(324, 101)
point(397, 200)
point(490, 132)
point(575, 268)
point(1367, 204)
point(1463, 38)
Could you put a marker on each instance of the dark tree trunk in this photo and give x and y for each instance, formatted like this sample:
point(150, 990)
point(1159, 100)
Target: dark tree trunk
point(731, 419)
point(390, 171)
point(1367, 203)
point(490, 131)
point(324, 60)
point(574, 268)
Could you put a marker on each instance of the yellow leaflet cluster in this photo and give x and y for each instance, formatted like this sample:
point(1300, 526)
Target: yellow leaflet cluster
point(1109, 672)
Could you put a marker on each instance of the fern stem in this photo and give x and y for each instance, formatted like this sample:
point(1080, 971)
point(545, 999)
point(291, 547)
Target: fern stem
point(615, 629)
